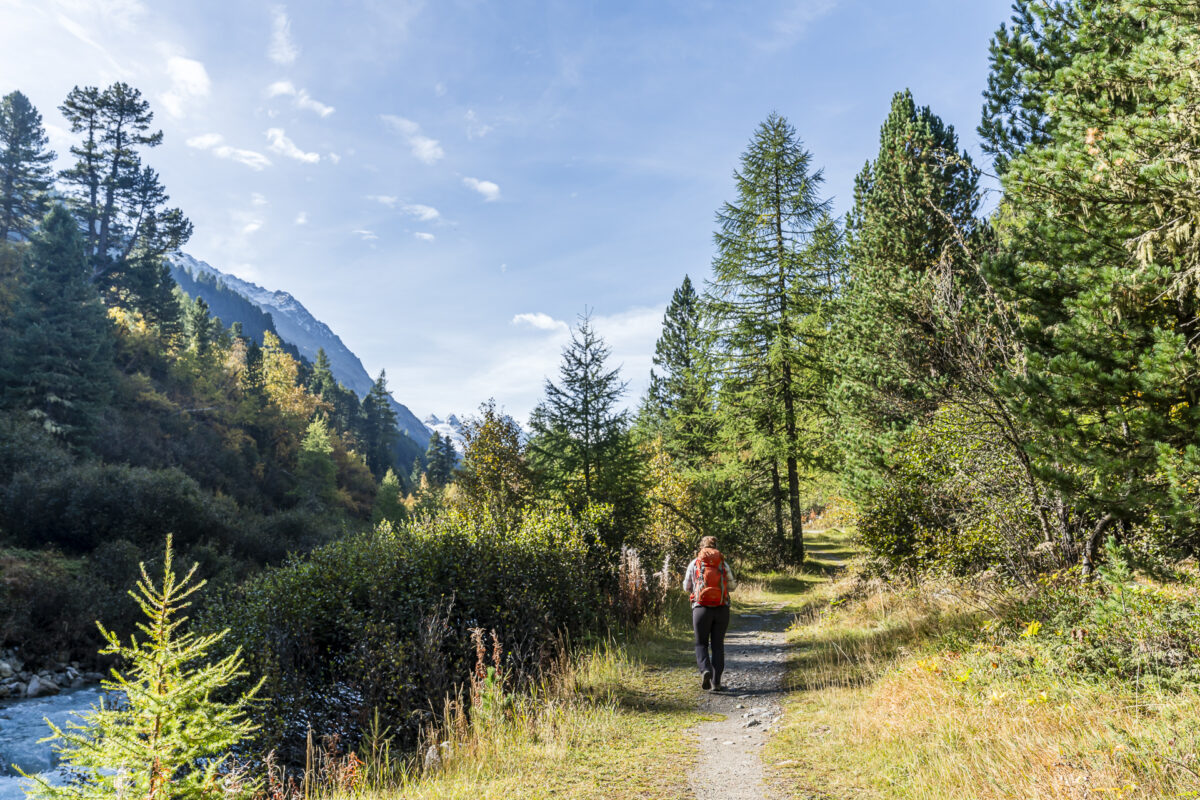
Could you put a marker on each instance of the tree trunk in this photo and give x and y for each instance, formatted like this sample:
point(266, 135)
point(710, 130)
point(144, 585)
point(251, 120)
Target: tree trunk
point(777, 499)
point(1092, 547)
point(789, 425)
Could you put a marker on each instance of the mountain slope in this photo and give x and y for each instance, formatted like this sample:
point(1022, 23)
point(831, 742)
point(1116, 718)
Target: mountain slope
point(293, 323)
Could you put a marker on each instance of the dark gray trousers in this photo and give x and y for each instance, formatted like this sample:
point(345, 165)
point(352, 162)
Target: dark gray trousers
point(710, 624)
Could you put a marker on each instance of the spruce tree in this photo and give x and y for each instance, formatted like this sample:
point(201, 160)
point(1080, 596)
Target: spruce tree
point(914, 211)
point(58, 367)
point(24, 166)
point(169, 737)
point(380, 432)
point(439, 461)
point(581, 445)
point(679, 402)
point(773, 277)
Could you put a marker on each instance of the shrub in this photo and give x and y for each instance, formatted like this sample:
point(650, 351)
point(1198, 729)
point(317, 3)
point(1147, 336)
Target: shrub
point(379, 622)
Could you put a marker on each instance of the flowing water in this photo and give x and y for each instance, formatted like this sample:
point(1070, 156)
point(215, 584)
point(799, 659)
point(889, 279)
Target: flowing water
point(22, 723)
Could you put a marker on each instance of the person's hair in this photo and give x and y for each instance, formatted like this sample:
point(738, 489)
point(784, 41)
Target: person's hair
point(708, 541)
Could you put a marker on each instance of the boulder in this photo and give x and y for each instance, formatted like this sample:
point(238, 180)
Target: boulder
point(6, 670)
point(40, 687)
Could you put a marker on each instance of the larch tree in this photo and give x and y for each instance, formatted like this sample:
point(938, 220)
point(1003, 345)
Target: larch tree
point(25, 172)
point(773, 277)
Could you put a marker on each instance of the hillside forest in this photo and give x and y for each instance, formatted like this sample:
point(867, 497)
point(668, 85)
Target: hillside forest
point(997, 388)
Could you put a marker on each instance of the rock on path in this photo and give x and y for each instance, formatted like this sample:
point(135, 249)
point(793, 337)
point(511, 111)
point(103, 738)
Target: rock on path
point(729, 766)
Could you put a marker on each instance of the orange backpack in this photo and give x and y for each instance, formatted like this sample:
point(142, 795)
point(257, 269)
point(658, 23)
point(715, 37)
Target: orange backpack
point(709, 580)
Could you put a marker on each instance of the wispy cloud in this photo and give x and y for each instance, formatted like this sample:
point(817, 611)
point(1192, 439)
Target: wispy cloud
point(423, 147)
point(425, 237)
point(300, 98)
point(795, 21)
point(366, 235)
point(252, 226)
point(280, 143)
point(489, 190)
point(476, 129)
point(213, 141)
point(540, 321)
point(257, 199)
point(189, 82)
point(384, 199)
point(302, 218)
point(282, 49)
point(422, 212)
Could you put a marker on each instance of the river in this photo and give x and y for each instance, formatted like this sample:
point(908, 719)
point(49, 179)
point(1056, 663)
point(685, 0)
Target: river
point(22, 723)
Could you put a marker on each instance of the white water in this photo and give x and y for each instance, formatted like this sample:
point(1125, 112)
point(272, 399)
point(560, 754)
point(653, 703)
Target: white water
point(22, 723)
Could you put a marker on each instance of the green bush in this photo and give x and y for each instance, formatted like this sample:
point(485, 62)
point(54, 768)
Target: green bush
point(1113, 627)
point(380, 622)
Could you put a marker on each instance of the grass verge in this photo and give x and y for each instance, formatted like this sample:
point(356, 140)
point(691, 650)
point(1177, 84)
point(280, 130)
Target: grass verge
point(614, 722)
point(894, 697)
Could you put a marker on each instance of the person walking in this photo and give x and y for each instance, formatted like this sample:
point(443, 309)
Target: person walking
point(708, 581)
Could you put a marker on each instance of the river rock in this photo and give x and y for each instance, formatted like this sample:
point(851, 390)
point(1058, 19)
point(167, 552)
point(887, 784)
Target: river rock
point(6, 670)
point(39, 687)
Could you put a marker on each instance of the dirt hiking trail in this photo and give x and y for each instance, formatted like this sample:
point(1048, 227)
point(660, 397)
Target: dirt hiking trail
point(729, 766)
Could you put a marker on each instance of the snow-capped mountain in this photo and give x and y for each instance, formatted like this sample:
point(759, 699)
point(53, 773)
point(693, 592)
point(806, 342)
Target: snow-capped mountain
point(449, 428)
point(295, 325)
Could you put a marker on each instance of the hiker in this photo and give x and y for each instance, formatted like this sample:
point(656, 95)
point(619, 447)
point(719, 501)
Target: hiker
point(708, 581)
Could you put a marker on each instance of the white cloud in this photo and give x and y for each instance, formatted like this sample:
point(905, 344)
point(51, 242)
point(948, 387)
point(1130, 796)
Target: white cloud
point(366, 235)
point(421, 212)
point(281, 144)
point(425, 237)
point(384, 199)
point(439, 89)
point(212, 141)
point(795, 21)
point(489, 190)
point(257, 199)
point(300, 98)
point(540, 321)
point(423, 147)
point(252, 226)
point(335, 158)
point(189, 82)
point(282, 49)
point(475, 128)
point(302, 218)
point(205, 141)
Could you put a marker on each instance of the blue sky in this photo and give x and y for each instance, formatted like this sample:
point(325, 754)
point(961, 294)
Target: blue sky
point(449, 184)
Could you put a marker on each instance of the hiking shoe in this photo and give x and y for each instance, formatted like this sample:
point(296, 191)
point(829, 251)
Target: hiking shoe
point(716, 687)
point(707, 682)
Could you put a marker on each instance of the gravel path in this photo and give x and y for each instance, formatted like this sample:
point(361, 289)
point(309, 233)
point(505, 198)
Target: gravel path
point(729, 766)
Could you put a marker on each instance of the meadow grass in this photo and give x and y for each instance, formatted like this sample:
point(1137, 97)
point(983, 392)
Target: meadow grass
point(888, 702)
point(614, 721)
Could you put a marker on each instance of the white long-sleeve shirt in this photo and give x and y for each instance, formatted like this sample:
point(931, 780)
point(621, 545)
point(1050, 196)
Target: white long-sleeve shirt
point(689, 578)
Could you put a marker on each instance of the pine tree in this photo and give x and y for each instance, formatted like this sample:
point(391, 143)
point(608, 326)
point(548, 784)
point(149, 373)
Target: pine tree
point(24, 166)
point(679, 403)
point(380, 432)
point(1023, 61)
point(1102, 256)
point(914, 211)
point(773, 278)
point(121, 202)
point(200, 327)
point(169, 737)
point(58, 366)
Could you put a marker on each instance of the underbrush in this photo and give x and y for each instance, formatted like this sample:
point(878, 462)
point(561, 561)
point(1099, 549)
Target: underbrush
point(956, 691)
point(609, 721)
